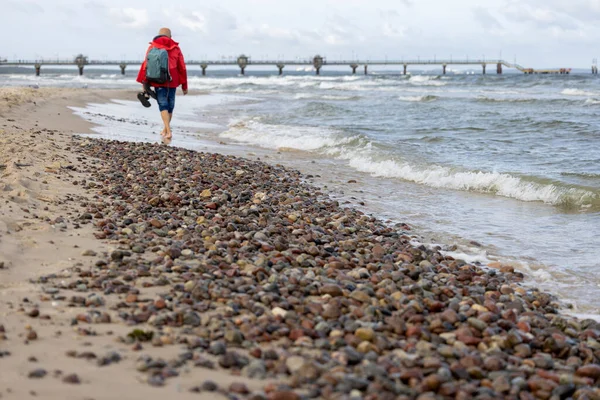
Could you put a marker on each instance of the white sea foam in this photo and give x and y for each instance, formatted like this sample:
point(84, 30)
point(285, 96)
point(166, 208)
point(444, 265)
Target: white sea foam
point(577, 92)
point(362, 155)
point(424, 98)
point(304, 138)
point(426, 80)
point(496, 183)
point(507, 99)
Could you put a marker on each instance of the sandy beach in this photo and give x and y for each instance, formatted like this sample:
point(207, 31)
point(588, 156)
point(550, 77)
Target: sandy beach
point(40, 235)
point(132, 270)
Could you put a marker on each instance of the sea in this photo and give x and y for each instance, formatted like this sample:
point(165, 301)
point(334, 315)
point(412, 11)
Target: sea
point(491, 168)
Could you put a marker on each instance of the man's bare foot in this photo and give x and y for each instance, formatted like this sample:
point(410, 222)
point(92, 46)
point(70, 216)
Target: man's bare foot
point(163, 132)
point(168, 135)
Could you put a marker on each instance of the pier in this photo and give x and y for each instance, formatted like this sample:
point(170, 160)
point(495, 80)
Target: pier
point(317, 62)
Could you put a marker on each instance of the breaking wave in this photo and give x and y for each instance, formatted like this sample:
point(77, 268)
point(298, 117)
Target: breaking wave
point(365, 156)
point(423, 99)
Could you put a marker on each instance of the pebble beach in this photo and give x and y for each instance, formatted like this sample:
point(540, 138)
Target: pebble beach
point(146, 270)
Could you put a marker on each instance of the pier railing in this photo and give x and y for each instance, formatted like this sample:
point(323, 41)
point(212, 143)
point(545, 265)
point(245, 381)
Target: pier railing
point(316, 63)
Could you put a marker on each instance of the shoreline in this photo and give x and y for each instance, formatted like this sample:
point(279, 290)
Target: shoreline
point(334, 285)
point(365, 192)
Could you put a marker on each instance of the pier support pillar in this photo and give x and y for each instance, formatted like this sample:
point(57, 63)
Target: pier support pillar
point(499, 68)
point(80, 66)
point(242, 63)
point(318, 63)
point(404, 69)
point(280, 67)
point(594, 70)
point(123, 66)
point(483, 66)
point(203, 66)
point(353, 66)
point(444, 69)
point(38, 68)
point(366, 69)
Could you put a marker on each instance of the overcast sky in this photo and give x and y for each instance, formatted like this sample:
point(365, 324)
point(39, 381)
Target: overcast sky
point(539, 33)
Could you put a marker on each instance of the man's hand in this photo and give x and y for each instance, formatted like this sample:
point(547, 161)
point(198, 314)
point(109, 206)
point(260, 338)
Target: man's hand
point(185, 92)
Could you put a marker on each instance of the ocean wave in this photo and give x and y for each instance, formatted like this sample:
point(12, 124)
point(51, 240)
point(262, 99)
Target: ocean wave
point(426, 80)
point(487, 99)
point(577, 92)
point(585, 175)
point(271, 136)
point(317, 96)
point(500, 184)
point(423, 99)
point(365, 156)
point(332, 97)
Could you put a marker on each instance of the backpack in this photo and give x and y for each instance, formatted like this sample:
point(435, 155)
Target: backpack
point(157, 66)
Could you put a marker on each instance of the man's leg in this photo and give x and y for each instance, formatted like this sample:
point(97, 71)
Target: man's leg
point(162, 133)
point(166, 117)
point(171, 99)
point(162, 95)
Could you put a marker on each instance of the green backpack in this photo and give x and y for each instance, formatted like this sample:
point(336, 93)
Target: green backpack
point(157, 66)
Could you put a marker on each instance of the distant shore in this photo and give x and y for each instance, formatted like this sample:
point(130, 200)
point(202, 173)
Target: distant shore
point(142, 270)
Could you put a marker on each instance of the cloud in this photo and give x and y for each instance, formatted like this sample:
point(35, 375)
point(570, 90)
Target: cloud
point(211, 22)
point(339, 31)
point(541, 17)
point(334, 32)
point(194, 21)
point(578, 10)
point(390, 26)
point(23, 6)
point(265, 32)
point(130, 17)
point(486, 19)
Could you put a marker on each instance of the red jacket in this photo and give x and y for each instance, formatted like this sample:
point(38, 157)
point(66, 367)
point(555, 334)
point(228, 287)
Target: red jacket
point(176, 63)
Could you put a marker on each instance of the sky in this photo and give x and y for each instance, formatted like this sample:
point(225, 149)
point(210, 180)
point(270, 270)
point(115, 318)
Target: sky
point(535, 33)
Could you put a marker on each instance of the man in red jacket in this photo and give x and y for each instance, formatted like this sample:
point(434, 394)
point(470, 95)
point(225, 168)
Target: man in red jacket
point(165, 93)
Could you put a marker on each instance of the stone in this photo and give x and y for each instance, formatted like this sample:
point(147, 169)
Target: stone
point(209, 386)
point(361, 296)
point(477, 323)
point(34, 313)
point(279, 312)
point(31, 335)
point(501, 384)
point(450, 316)
point(38, 373)
point(332, 290)
point(589, 371)
point(294, 364)
point(284, 395)
point(217, 348)
point(72, 379)
point(256, 370)
point(239, 388)
point(234, 336)
point(367, 334)
point(331, 311)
